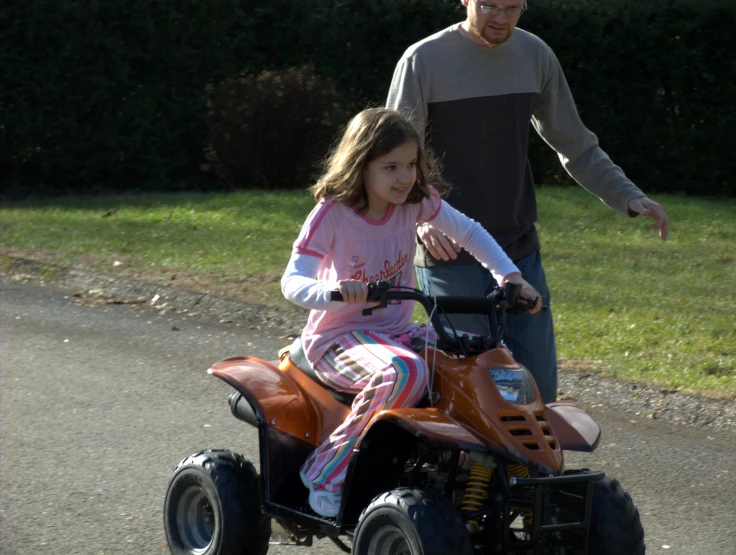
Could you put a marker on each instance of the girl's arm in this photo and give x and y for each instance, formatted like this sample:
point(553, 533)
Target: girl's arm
point(470, 235)
point(314, 294)
point(299, 285)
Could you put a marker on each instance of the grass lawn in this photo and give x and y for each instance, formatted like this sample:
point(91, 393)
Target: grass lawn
point(625, 303)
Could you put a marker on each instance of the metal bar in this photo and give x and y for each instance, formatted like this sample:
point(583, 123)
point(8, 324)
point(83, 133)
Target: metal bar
point(312, 524)
point(540, 502)
point(450, 485)
point(557, 480)
point(561, 527)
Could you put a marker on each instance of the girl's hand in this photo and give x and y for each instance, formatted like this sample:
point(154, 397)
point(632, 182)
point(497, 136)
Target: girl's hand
point(353, 291)
point(527, 290)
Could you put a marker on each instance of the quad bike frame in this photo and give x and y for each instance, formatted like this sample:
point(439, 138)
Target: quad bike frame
point(465, 417)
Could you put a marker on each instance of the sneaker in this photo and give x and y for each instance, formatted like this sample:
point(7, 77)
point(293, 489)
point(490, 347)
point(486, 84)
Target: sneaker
point(322, 502)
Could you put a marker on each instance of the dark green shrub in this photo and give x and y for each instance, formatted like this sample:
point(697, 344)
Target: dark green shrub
point(106, 95)
point(357, 43)
point(271, 130)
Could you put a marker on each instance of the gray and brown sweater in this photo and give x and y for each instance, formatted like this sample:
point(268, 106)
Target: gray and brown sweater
point(475, 104)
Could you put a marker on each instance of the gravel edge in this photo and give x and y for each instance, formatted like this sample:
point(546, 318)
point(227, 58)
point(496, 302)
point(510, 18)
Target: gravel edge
point(588, 390)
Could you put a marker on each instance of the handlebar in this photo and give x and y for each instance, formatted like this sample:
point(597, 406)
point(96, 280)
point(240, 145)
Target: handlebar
point(453, 305)
point(502, 300)
point(380, 290)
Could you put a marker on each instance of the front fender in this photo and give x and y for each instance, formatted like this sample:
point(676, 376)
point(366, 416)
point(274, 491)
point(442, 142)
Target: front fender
point(429, 424)
point(574, 428)
point(277, 400)
point(387, 442)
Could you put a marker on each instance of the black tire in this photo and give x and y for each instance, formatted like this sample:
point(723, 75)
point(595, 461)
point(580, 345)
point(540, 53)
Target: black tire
point(213, 507)
point(408, 521)
point(615, 525)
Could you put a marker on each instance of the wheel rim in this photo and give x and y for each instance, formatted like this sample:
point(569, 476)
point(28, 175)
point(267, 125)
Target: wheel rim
point(195, 520)
point(389, 540)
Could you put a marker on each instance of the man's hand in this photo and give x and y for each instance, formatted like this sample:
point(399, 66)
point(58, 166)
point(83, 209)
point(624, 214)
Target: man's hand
point(438, 244)
point(647, 207)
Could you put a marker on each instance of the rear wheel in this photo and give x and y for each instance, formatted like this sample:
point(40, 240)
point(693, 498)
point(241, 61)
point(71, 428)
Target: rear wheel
point(213, 507)
point(409, 521)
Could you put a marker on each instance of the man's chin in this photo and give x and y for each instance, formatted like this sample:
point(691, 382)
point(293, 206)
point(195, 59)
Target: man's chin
point(495, 39)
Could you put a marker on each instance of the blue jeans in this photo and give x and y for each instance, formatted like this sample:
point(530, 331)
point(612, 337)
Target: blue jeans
point(530, 337)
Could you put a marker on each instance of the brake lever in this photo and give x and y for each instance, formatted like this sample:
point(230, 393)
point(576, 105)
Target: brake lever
point(377, 292)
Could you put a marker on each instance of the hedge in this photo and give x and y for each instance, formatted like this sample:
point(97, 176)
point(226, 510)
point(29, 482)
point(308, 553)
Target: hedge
point(656, 81)
point(102, 95)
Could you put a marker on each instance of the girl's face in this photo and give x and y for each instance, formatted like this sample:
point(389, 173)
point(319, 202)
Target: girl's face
point(389, 178)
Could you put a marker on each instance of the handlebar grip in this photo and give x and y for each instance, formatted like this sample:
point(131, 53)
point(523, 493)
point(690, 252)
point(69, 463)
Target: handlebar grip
point(337, 296)
point(524, 304)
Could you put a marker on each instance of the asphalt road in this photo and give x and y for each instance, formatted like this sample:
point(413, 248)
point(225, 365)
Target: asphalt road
point(100, 402)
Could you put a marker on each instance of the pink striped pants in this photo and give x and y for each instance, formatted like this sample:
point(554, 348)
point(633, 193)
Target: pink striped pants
point(385, 373)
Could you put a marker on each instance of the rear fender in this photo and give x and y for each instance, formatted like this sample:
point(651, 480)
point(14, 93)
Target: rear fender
point(575, 429)
point(275, 398)
point(293, 414)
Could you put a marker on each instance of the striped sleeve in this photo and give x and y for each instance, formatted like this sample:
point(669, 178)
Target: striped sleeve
point(429, 207)
point(318, 232)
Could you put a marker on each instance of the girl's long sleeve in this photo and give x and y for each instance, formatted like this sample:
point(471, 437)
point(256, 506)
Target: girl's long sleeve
point(471, 236)
point(300, 287)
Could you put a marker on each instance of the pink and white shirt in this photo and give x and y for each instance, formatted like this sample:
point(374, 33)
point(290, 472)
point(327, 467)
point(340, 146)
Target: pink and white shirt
point(337, 243)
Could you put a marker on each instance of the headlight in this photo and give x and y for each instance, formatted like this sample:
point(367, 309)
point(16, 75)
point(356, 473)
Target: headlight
point(516, 385)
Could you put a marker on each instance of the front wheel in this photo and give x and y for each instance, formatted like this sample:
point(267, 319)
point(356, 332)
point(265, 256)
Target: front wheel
point(409, 521)
point(615, 525)
point(213, 507)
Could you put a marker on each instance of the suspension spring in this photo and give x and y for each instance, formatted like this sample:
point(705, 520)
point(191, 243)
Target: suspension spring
point(476, 491)
point(517, 471)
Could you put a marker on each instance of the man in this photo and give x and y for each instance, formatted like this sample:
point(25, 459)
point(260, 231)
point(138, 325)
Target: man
point(474, 88)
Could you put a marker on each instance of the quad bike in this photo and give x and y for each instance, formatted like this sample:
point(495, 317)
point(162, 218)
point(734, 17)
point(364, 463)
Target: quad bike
point(476, 467)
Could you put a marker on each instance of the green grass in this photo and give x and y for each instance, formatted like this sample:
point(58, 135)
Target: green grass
point(625, 303)
point(236, 244)
point(639, 308)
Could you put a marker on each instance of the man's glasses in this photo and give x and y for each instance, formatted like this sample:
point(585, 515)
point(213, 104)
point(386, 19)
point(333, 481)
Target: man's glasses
point(510, 13)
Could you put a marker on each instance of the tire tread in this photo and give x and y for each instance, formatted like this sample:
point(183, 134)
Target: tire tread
point(436, 521)
point(237, 484)
point(616, 527)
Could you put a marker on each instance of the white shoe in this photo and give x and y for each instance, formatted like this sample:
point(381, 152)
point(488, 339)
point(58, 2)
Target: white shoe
point(322, 502)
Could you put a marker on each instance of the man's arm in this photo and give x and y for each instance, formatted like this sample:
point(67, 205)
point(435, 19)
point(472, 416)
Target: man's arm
point(557, 121)
point(407, 94)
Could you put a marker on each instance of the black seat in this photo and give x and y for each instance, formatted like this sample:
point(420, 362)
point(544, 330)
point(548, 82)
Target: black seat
point(297, 356)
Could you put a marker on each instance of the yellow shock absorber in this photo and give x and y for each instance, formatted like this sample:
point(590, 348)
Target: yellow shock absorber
point(477, 489)
point(517, 471)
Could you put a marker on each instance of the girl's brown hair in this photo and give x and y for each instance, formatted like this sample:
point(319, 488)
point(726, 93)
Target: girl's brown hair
point(370, 134)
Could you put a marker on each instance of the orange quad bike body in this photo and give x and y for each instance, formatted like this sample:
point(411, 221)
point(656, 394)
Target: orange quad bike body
point(481, 447)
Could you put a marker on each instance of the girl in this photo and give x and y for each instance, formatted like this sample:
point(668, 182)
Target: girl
point(373, 193)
